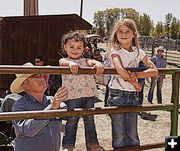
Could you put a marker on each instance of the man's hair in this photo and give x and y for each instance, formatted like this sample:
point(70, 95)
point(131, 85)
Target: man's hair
point(40, 57)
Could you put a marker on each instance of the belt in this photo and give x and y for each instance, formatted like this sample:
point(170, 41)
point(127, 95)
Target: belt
point(128, 92)
point(123, 91)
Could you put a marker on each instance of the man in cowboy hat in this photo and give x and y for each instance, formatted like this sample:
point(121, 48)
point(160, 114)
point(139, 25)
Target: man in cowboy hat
point(36, 134)
point(160, 62)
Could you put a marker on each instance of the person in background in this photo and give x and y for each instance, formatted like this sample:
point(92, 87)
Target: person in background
point(141, 81)
point(123, 88)
point(89, 47)
point(7, 134)
point(95, 43)
point(107, 78)
point(86, 53)
point(9, 100)
point(39, 61)
point(81, 90)
point(160, 62)
point(97, 56)
point(36, 134)
point(98, 78)
point(54, 81)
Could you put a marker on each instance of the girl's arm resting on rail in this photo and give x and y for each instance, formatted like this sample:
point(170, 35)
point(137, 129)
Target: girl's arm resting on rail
point(65, 62)
point(97, 65)
point(119, 67)
point(72, 65)
point(123, 72)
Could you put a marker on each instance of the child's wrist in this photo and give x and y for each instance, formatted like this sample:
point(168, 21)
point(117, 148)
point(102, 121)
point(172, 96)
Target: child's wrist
point(127, 79)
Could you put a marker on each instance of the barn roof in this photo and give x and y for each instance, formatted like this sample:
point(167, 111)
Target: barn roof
point(80, 23)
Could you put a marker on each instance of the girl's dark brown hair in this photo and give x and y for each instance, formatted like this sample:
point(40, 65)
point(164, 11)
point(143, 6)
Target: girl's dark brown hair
point(77, 36)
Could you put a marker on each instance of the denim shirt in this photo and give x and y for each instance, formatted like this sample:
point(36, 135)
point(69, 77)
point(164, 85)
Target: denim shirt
point(159, 61)
point(36, 134)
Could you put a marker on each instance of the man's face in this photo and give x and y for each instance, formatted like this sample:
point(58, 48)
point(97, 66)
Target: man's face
point(38, 62)
point(161, 52)
point(35, 84)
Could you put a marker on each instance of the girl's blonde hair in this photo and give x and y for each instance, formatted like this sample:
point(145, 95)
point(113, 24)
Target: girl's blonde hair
point(113, 41)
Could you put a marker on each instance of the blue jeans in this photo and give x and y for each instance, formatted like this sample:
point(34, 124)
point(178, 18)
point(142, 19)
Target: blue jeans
point(159, 81)
point(69, 138)
point(124, 125)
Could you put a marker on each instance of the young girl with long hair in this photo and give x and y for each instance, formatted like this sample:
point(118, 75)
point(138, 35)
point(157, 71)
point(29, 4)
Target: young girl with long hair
point(123, 88)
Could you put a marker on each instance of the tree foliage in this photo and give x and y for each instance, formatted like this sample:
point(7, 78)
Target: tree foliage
point(145, 24)
point(105, 20)
point(159, 30)
point(99, 22)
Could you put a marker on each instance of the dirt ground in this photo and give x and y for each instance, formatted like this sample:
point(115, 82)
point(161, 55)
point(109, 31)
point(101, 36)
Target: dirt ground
point(149, 131)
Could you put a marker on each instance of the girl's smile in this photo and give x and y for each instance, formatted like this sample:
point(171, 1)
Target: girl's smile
point(125, 36)
point(74, 48)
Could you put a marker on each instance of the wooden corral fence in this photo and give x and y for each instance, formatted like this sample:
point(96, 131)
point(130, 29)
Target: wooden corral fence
point(172, 50)
point(173, 57)
point(172, 107)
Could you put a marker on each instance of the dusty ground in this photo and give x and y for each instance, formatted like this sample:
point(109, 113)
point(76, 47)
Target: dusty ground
point(149, 131)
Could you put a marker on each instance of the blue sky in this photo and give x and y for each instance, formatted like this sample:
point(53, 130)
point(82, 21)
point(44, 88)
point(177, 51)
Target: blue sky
point(157, 9)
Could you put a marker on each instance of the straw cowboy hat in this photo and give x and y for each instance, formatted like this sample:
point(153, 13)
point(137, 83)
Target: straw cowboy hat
point(16, 85)
point(160, 48)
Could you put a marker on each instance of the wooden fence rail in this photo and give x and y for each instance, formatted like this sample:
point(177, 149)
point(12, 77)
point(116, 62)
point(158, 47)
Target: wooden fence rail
point(8, 69)
point(7, 116)
point(173, 107)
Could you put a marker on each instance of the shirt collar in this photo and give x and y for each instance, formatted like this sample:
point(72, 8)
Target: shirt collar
point(32, 99)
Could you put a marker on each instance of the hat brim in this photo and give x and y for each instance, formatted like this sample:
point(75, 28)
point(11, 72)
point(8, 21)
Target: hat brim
point(161, 50)
point(16, 85)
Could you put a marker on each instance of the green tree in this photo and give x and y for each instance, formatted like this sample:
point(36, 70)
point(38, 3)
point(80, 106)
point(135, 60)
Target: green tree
point(159, 30)
point(130, 13)
point(168, 19)
point(111, 16)
point(99, 22)
point(145, 25)
point(105, 20)
point(178, 32)
point(174, 28)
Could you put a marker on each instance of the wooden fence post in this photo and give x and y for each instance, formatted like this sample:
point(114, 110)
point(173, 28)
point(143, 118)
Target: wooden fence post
point(175, 101)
